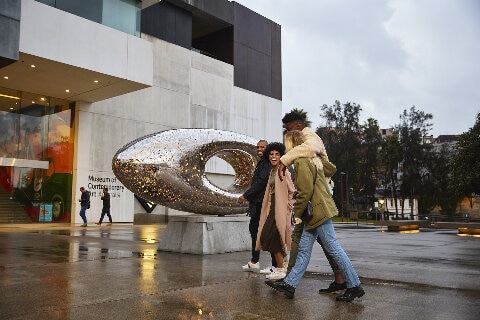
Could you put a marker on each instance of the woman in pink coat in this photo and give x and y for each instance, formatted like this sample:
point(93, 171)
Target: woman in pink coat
point(275, 227)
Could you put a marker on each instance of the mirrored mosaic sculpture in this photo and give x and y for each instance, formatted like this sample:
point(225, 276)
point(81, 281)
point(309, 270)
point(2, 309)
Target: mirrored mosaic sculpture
point(168, 168)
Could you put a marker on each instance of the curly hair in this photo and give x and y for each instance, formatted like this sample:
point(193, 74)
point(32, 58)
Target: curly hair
point(277, 146)
point(293, 116)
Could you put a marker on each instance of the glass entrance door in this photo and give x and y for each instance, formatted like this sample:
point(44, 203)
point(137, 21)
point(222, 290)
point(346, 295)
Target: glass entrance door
point(36, 157)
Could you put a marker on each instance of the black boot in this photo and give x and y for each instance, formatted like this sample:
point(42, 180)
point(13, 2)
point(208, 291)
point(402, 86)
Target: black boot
point(334, 287)
point(351, 293)
point(281, 286)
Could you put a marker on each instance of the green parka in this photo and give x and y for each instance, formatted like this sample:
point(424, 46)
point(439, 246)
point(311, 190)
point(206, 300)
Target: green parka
point(319, 194)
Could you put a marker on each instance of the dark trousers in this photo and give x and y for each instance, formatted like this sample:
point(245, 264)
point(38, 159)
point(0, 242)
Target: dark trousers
point(253, 228)
point(107, 212)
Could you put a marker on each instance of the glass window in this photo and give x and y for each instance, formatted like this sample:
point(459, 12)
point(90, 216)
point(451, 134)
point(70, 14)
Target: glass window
point(36, 154)
point(88, 9)
point(123, 15)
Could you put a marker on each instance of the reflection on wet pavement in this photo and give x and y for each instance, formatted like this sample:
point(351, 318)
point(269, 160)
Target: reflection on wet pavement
point(86, 244)
point(117, 272)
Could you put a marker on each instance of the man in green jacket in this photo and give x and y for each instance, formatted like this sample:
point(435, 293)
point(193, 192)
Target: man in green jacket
point(311, 148)
point(312, 187)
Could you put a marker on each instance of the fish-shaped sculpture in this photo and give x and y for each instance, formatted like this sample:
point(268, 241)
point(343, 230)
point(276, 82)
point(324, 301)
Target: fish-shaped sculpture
point(168, 168)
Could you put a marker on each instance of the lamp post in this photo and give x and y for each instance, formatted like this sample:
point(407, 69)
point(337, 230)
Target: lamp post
point(380, 206)
point(381, 202)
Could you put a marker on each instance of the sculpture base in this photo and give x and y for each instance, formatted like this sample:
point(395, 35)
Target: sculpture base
point(201, 234)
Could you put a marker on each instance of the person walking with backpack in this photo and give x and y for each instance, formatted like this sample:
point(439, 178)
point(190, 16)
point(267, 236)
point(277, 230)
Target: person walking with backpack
point(84, 204)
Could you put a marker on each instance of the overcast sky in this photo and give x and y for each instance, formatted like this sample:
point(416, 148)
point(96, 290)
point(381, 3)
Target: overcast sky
point(385, 55)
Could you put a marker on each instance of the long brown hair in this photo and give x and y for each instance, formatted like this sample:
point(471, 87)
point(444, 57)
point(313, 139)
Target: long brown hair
point(293, 138)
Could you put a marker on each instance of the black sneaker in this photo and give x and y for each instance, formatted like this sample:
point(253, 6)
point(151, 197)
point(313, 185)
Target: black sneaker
point(334, 287)
point(281, 286)
point(351, 293)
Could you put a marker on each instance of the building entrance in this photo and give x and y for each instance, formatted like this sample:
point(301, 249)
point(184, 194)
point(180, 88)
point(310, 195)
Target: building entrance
point(36, 158)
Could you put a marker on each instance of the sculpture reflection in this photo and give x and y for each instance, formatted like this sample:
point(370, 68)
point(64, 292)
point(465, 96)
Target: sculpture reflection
point(168, 168)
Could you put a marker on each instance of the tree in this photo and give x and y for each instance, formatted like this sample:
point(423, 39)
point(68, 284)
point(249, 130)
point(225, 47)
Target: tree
point(342, 136)
point(368, 164)
point(414, 126)
point(440, 174)
point(465, 167)
point(389, 156)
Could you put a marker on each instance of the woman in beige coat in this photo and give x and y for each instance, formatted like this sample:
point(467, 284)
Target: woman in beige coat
point(275, 227)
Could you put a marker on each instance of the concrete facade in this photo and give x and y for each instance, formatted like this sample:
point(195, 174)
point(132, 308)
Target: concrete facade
point(189, 90)
point(199, 234)
point(146, 85)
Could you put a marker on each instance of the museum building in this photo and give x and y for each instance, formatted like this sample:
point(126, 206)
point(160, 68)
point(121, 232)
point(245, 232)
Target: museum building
point(79, 79)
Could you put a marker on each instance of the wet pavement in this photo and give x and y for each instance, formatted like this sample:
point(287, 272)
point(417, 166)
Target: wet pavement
point(54, 271)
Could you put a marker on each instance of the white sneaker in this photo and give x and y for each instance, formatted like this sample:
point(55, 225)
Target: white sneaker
point(268, 270)
point(250, 266)
point(277, 275)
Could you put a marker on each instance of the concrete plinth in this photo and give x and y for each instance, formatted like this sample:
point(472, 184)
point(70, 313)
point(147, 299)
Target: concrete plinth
point(200, 234)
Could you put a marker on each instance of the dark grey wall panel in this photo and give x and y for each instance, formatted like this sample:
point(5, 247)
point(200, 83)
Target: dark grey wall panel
point(10, 12)
point(252, 29)
point(260, 39)
point(168, 22)
point(183, 27)
point(259, 72)
point(276, 61)
point(220, 9)
point(240, 74)
point(11, 9)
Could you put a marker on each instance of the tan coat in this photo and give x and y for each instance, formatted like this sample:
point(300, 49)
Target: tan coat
point(284, 200)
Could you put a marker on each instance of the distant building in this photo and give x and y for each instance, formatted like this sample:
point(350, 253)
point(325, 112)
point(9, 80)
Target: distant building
point(386, 132)
point(406, 208)
point(448, 141)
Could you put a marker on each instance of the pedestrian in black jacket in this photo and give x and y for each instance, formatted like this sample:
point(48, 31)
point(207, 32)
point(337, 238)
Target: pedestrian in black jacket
point(254, 195)
point(84, 204)
point(106, 207)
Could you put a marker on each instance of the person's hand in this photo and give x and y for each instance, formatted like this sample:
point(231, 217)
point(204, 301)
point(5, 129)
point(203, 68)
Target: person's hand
point(298, 220)
point(241, 199)
point(281, 171)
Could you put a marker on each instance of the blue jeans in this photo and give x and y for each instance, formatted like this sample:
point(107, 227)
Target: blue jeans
point(82, 213)
point(326, 232)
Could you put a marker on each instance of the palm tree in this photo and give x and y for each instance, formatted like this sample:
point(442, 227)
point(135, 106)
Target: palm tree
point(308, 123)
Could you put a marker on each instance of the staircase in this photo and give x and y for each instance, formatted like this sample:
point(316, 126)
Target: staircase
point(11, 211)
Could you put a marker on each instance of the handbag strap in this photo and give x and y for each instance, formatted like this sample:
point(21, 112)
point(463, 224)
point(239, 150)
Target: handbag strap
point(314, 180)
